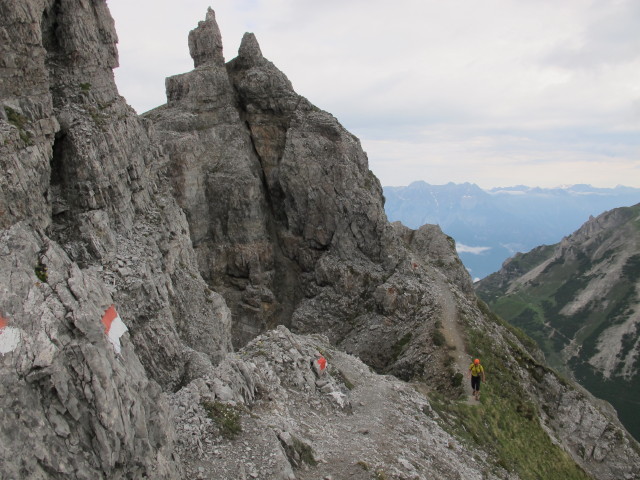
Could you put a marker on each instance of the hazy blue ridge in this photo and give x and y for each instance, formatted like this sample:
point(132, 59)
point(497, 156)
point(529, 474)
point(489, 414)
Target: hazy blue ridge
point(490, 226)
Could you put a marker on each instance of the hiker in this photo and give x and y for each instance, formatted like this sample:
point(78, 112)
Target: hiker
point(476, 373)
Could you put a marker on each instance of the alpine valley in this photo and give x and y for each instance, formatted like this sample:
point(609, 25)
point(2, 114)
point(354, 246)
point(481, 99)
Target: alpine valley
point(580, 300)
point(168, 280)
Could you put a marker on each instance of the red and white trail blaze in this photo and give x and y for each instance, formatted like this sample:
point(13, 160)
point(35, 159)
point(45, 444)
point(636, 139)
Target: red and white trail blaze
point(9, 336)
point(114, 327)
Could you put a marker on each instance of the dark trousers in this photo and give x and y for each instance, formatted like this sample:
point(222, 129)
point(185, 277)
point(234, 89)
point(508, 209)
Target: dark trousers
point(475, 383)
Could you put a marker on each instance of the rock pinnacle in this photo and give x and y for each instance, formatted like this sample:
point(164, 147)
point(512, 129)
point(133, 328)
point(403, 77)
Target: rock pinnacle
point(205, 41)
point(249, 49)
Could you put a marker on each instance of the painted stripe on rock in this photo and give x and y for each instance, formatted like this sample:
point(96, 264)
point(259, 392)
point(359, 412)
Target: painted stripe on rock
point(114, 327)
point(9, 336)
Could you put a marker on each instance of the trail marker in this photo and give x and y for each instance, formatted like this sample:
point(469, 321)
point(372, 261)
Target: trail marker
point(9, 336)
point(114, 327)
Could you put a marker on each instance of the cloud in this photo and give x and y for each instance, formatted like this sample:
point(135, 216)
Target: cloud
point(493, 93)
point(462, 248)
point(608, 37)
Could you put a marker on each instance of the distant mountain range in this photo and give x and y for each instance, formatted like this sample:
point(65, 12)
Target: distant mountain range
point(580, 300)
point(490, 226)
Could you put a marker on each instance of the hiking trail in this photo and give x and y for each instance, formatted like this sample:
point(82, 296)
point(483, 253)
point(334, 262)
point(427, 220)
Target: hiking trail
point(452, 331)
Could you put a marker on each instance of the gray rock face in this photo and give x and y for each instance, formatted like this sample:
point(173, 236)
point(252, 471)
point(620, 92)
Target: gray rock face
point(205, 42)
point(349, 423)
point(217, 180)
point(87, 223)
point(259, 218)
point(282, 207)
point(74, 407)
point(28, 125)
point(292, 231)
point(595, 440)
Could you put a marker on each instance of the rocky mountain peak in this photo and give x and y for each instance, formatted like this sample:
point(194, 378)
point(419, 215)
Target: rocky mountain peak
point(249, 50)
point(205, 42)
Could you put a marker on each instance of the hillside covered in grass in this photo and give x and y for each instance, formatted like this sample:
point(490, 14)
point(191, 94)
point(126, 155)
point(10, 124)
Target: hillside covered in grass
point(580, 301)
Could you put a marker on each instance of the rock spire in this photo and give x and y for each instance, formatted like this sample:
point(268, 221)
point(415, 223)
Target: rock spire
point(205, 42)
point(249, 48)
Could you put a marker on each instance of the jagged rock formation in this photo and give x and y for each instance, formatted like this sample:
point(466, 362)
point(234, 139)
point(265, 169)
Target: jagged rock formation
point(236, 207)
point(86, 223)
point(582, 305)
point(349, 423)
point(286, 218)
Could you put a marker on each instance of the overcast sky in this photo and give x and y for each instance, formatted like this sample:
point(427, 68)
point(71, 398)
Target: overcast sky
point(492, 92)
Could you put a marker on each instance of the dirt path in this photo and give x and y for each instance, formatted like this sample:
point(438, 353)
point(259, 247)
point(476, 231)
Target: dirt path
point(368, 429)
point(387, 431)
point(452, 332)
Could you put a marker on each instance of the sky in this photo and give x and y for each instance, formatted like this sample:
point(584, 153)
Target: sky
point(494, 92)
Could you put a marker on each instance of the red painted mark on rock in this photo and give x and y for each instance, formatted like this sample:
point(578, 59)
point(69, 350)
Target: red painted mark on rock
point(114, 327)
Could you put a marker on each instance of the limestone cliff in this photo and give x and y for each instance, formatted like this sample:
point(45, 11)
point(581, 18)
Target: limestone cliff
point(88, 223)
point(135, 250)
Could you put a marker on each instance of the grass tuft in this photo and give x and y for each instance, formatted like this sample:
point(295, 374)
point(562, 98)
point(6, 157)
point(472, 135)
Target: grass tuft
point(20, 122)
point(226, 417)
point(305, 451)
point(16, 118)
point(41, 272)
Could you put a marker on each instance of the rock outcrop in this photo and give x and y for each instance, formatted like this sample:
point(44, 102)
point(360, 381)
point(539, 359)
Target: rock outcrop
point(286, 218)
point(347, 423)
point(87, 222)
point(236, 213)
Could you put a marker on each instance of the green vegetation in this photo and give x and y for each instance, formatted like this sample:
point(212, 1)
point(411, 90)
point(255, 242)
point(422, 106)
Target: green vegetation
point(505, 422)
point(631, 269)
point(537, 308)
point(41, 272)
point(438, 338)
point(226, 417)
point(380, 475)
point(16, 118)
point(20, 122)
point(526, 341)
point(340, 376)
point(85, 87)
point(624, 395)
point(523, 262)
point(457, 379)
point(399, 346)
point(97, 117)
point(299, 452)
